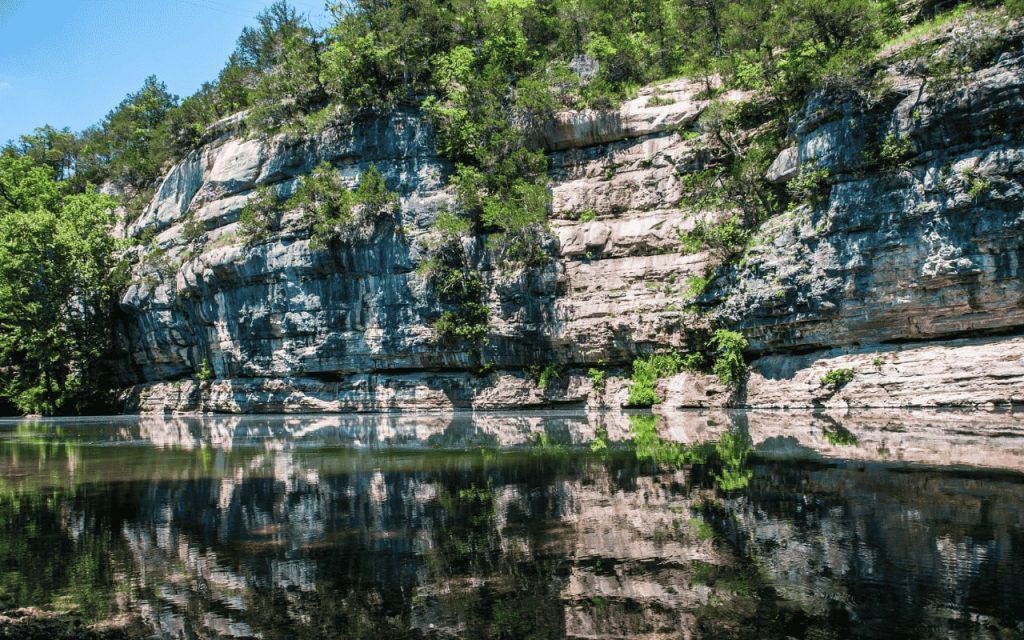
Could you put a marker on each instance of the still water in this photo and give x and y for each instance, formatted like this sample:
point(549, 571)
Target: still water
point(721, 525)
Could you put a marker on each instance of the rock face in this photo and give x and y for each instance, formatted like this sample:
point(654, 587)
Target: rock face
point(922, 245)
point(927, 245)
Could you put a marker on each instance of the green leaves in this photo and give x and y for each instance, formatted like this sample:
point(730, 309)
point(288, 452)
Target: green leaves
point(333, 211)
point(259, 215)
point(58, 280)
point(728, 346)
point(646, 372)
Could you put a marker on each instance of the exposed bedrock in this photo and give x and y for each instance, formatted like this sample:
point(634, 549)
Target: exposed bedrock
point(922, 258)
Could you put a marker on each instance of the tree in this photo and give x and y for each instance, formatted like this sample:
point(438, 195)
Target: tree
point(132, 141)
point(56, 149)
point(58, 279)
point(279, 59)
point(380, 53)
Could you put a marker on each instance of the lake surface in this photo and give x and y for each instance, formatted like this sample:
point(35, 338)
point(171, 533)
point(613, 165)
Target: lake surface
point(698, 525)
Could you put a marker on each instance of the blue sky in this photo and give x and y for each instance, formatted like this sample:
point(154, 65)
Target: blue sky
point(69, 62)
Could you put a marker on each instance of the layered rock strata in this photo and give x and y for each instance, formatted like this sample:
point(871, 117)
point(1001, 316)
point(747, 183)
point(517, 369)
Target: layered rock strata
point(915, 261)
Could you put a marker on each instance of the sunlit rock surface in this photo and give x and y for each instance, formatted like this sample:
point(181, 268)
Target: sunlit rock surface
point(924, 252)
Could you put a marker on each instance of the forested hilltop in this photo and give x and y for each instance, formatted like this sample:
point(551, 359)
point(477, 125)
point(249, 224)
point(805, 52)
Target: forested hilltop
point(488, 79)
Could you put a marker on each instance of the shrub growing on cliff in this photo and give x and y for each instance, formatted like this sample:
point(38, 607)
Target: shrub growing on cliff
point(259, 215)
point(336, 213)
point(469, 323)
point(646, 372)
point(543, 376)
point(724, 238)
point(835, 378)
point(521, 220)
point(193, 228)
point(810, 185)
point(728, 346)
point(205, 372)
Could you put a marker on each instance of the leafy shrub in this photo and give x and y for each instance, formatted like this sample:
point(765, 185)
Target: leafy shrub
point(693, 362)
point(729, 365)
point(192, 229)
point(978, 187)
point(336, 213)
point(372, 193)
point(646, 372)
point(543, 376)
point(259, 215)
point(205, 372)
point(810, 185)
point(597, 378)
point(695, 285)
point(836, 378)
point(468, 323)
point(521, 219)
point(894, 151)
point(724, 238)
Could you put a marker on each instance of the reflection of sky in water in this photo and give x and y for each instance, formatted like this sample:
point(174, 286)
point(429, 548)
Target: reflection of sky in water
point(520, 525)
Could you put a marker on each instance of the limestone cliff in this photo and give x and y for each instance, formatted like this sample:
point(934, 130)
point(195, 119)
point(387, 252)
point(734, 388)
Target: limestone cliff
point(911, 272)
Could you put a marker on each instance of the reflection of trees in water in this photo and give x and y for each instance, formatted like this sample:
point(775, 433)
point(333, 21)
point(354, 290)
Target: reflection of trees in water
point(648, 538)
point(727, 455)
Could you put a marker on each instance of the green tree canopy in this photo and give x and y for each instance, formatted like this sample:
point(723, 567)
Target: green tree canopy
point(57, 282)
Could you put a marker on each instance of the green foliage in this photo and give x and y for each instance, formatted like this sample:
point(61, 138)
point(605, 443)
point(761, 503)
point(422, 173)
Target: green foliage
point(259, 215)
point(600, 442)
point(840, 436)
point(892, 154)
point(131, 140)
point(693, 362)
point(279, 59)
point(205, 372)
point(336, 213)
point(59, 279)
point(702, 530)
point(728, 346)
point(650, 447)
point(738, 181)
point(732, 451)
point(597, 378)
point(588, 215)
point(836, 378)
point(810, 186)
point(455, 283)
point(978, 186)
point(543, 376)
point(193, 228)
point(468, 323)
point(521, 218)
point(646, 372)
point(327, 205)
point(695, 285)
point(372, 193)
point(725, 238)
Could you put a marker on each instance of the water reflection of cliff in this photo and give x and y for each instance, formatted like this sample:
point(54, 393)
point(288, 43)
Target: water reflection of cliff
point(422, 527)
